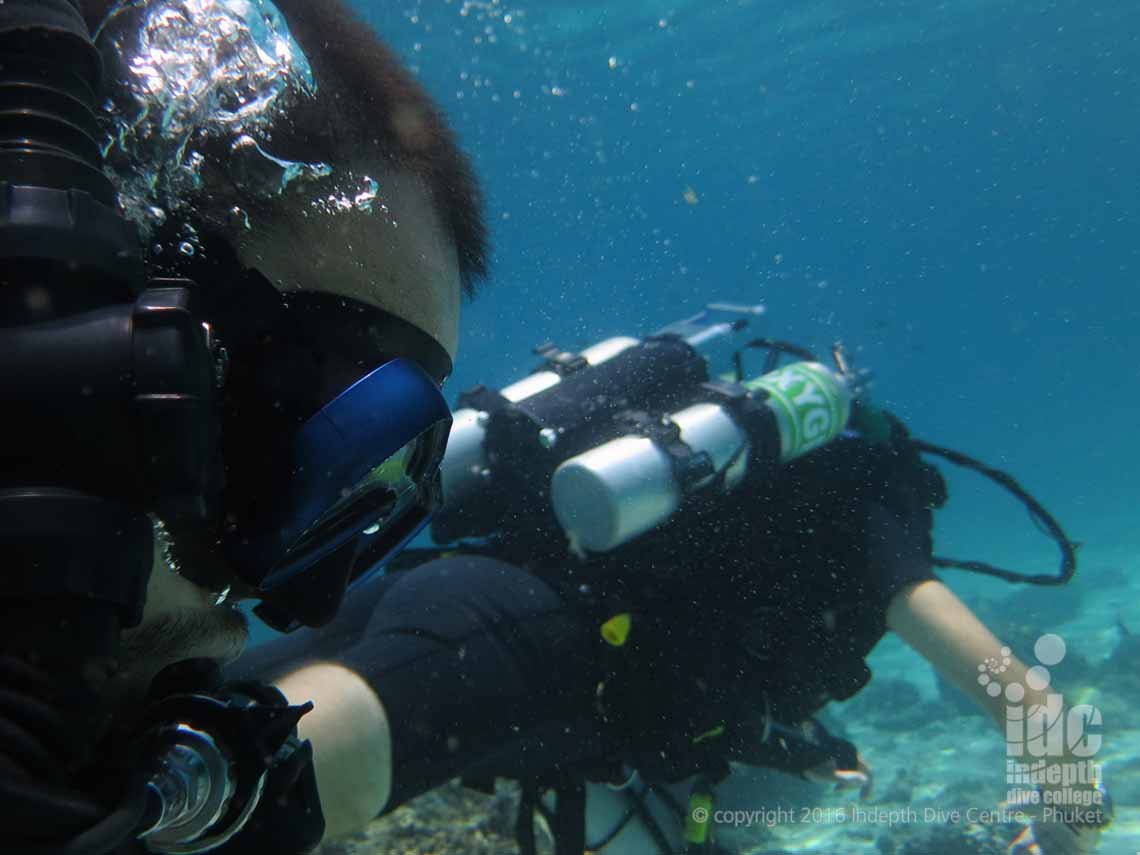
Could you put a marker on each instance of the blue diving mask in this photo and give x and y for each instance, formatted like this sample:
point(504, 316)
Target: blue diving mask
point(365, 482)
point(333, 427)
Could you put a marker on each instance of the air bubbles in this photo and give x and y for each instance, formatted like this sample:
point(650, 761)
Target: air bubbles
point(345, 200)
point(201, 72)
point(612, 62)
point(186, 248)
point(239, 218)
point(364, 199)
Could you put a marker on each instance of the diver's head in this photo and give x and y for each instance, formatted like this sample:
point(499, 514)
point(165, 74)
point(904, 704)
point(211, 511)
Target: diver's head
point(281, 157)
point(291, 130)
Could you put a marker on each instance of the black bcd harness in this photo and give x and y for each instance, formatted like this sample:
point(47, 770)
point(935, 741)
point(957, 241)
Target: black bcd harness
point(640, 413)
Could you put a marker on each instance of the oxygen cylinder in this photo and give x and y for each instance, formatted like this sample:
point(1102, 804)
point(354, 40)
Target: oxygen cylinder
point(465, 459)
point(614, 492)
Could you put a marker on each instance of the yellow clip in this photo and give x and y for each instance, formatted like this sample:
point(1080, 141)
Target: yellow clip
point(616, 630)
point(697, 819)
point(709, 734)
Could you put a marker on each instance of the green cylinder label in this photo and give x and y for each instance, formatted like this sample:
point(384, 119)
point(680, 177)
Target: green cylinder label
point(811, 404)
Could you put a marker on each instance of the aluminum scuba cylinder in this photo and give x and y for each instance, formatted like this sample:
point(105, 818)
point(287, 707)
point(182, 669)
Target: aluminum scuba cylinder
point(465, 467)
point(466, 460)
point(616, 491)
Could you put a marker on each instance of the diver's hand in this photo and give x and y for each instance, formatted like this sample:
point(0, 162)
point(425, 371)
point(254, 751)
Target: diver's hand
point(1043, 837)
point(1053, 835)
point(861, 778)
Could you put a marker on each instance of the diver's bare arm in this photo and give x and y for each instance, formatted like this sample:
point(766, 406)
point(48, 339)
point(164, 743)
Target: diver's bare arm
point(943, 630)
point(947, 634)
point(352, 744)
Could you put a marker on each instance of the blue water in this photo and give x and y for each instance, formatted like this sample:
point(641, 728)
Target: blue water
point(950, 188)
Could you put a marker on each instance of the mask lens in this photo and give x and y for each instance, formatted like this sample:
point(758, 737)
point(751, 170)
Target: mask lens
point(363, 479)
point(371, 506)
point(381, 511)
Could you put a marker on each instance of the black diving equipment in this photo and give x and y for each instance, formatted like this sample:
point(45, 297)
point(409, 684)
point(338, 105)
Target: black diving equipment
point(76, 561)
point(215, 754)
point(332, 435)
point(130, 399)
point(622, 433)
point(278, 438)
point(364, 479)
point(605, 445)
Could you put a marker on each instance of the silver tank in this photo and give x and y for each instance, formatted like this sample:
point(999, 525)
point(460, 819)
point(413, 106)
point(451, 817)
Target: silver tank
point(465, 462)
point(609, 495)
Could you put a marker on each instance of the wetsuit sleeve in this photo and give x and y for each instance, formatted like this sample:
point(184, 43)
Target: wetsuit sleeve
point(471, 657)
point(898, 550)
point(899, 522)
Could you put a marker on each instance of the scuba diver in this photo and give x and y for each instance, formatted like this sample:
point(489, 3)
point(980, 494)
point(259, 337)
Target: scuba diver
point(651, 572)
point(235, 238)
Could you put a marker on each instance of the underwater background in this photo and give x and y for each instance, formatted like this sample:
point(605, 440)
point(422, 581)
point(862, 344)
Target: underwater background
point(950, 188)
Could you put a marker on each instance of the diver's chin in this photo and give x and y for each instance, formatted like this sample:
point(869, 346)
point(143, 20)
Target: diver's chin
point(217, 633)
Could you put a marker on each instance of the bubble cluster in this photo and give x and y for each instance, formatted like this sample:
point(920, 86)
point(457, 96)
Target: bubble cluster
point(191, 73)
point(360, 195)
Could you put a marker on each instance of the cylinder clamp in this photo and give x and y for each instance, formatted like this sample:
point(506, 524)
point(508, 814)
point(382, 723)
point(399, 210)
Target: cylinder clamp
point(690, 468)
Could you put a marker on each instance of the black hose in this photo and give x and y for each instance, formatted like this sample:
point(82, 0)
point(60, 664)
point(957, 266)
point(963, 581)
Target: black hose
point(1041, 517)
point(650, 823)
point(49, 135)
point(39, 814)
point(37, 807)
point(104, 837)
point(775, 348)
point(608, 838)
point(666, 796)
point(64, 249)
